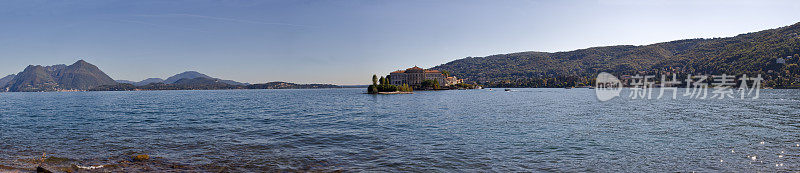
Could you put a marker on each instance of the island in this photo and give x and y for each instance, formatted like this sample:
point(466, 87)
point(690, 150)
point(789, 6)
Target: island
point(416, 78)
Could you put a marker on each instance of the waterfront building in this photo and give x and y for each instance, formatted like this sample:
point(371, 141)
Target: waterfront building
point(414, 76)
point(452, 80)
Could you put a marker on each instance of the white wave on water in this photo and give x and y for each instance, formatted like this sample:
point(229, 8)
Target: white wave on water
point(89, 167)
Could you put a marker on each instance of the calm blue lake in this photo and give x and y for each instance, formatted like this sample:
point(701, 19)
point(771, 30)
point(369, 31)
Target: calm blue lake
point(539, 130)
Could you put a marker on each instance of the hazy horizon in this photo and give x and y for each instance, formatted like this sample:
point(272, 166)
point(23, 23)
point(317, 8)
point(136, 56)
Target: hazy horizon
point(345, 42)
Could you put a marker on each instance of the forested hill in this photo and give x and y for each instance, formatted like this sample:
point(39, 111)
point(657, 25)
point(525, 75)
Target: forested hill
point(751, 53)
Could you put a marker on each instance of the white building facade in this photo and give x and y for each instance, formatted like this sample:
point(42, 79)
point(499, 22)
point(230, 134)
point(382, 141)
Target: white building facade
point(414, 76)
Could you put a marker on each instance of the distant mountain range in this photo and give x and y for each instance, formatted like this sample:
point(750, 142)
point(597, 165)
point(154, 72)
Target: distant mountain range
point(143, 82)
point(177, 77)
point(753, 53)
point(202, 83)
point(82, 76)
point(199, 83)
point(194, 74)
point(149, 81)
point(286, 85)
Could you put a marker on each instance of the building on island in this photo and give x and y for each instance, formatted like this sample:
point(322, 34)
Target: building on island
point(414, 76)
point(452, 80)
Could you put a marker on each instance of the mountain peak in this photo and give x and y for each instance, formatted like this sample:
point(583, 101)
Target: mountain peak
point(82, 76)
point(195, 75)
point(185, 75)
point(81, 63)
point(191, 72)
point(149, 81)
point(79, 76)
point(33, 78)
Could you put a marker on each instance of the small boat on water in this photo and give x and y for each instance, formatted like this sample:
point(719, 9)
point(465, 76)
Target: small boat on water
point(591, 87)
point(508, 89)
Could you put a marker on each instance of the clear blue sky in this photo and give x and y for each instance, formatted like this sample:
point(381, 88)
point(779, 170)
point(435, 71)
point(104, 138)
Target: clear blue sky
point(345, 41)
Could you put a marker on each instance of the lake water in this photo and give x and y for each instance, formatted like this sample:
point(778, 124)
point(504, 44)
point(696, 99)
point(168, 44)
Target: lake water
point(539, 130)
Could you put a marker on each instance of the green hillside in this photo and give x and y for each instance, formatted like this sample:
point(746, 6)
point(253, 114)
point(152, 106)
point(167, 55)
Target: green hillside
point(751, 53)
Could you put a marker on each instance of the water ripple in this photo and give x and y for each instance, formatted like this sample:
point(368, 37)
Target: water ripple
point(529, 130)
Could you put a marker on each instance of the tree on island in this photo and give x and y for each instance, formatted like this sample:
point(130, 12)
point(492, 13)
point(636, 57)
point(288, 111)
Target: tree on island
point(384, 86)
point(406, 88)
point(373, 89)
point(432, 84)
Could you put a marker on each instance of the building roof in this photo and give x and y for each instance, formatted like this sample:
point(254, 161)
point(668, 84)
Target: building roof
point(415, 69)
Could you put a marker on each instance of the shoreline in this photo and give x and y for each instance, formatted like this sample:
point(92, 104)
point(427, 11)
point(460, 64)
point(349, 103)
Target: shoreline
point(69, 91)
point(389, 93)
